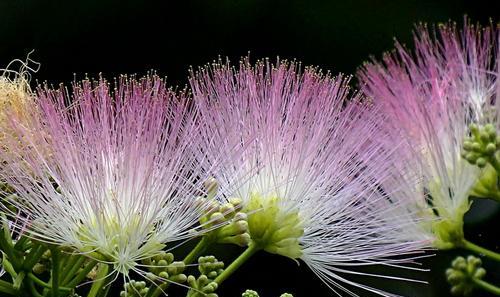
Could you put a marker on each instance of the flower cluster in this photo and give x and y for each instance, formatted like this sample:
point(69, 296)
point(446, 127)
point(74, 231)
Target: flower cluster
point(102, 180)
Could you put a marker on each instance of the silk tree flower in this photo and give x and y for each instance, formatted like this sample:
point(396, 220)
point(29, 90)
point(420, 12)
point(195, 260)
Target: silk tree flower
point(120, 180)
point(303, 139)
point(16, 96)
point(431, 96)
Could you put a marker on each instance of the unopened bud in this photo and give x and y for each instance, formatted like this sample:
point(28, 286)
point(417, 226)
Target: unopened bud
point(227, 210)
point(250, 293)
point(471, 157)
point(217, 218)
point(474, 262)
point(240, 216)
point(490, 148)
point(467, 145)
point(191, 280)
point(236, 202)
point(474, 129)
point(211, 187)
point(163, 275)
point(179, 278)
point(481, 162)
point(476, 147)
point(484, 136)
point(203, 280)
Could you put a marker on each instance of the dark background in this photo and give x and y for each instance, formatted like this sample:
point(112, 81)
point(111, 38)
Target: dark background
point(72, 39)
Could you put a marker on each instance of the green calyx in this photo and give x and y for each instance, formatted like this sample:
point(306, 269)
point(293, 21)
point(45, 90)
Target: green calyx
point(449, 234)
point(447, 226)
point(463, 274)
point(273, 229)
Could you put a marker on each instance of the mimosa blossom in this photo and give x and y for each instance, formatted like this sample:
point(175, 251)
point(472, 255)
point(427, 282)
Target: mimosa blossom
point(119, 181)
point(431, 96)
point(301, 174)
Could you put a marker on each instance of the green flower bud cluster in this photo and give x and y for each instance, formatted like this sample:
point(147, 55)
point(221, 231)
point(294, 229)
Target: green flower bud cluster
point(204, 285)
point(480, 148)
point(236, 232)
point(252, 293)
point(210, 266)
point(163, 267)
point(462, 273)
point(234, 221)
point(134, 289)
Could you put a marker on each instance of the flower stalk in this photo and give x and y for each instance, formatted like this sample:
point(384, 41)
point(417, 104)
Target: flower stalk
point(480, 250)
point(237, 263)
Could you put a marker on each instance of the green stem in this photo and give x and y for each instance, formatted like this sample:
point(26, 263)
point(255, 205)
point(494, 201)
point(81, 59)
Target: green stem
point(480, 250)
point(200, 247)
point(486, 286)
point(33, 290)
point(34, 255)
point(495, 163)
point(74, 264)
point(6, 244)
point(7, 266)
point(38, 281)
point(105, 290)
point(20, 243)
point(97, 286)
point(252, 249)
point(86, 269)
point(19, 280)
point(157, 290)
point(41, 283)
point(6, 287)
point(56, 257)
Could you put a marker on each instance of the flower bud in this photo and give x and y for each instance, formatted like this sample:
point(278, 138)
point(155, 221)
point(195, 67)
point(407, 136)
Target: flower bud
point(481, 162)
point(490, 148)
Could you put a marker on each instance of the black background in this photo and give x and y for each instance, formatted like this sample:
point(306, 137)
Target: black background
point(72, 39)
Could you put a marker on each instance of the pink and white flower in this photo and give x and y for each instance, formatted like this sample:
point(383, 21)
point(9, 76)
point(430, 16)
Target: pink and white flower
point(431, 95)
point(302, 174)
point(120, 180)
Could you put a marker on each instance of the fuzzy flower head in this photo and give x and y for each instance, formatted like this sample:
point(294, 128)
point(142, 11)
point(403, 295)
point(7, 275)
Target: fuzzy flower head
point(431, 96)
point(118, 184)
point(301, 138)
point(16, 97)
